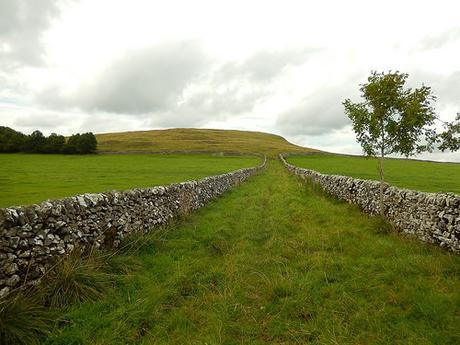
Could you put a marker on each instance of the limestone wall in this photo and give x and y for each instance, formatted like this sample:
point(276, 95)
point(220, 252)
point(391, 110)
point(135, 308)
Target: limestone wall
point(32, 237)
point(432, 217)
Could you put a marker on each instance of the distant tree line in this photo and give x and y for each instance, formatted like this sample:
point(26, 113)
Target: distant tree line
point(14, 141)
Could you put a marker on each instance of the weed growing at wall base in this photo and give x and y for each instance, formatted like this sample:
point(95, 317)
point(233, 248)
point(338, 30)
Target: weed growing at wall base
point(76, 278)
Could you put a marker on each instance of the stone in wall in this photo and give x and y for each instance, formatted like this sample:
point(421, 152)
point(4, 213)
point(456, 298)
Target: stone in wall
point(33, 237)
point(431, 217)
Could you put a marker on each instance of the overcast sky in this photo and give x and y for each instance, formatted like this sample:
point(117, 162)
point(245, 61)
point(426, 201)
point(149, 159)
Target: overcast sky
point(277, 66)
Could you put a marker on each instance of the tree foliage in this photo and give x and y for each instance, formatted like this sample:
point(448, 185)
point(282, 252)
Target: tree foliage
point(450, 138)
point(81, 143)
point(14, 141)
point(392, 119)
point(54, 143)
point(11, 140)
point(35, 142)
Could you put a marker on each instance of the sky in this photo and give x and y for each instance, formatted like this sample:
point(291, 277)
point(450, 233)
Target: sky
point(283, 67)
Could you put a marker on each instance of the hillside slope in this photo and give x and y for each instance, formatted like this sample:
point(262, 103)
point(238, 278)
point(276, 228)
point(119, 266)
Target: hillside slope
point(190, 139)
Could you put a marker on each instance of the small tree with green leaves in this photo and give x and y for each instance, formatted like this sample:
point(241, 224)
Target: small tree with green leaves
point(392, 119)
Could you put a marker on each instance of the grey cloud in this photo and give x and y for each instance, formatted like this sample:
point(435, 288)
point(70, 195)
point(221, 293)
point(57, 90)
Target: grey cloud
point(233, 99)
point(237, 87)
point(142, 81)
point(448, 89)
point(445, 87)
point(317, 114)
point(177, 84)
point(208, 105)
point(439, 40)
point(322, 112)
point(40, 120)
point(106, 123)
point(264, 65)
point(22, 23)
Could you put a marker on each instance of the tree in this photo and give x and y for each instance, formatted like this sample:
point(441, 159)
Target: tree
point(54, 143)
point(35, 142)
point(71, 145)
point(81, 144)
point(11, 140)
point(87, 143)
point(392, 119)
point(450, 138)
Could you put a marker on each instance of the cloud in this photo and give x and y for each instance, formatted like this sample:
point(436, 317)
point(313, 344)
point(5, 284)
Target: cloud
point(444, 86)
point(320, 113)
point(448, 89)
point(141, 81)
point(178, 84)
point(439, 40)
point(42, 120)
point(265, 65)
point(21, 27)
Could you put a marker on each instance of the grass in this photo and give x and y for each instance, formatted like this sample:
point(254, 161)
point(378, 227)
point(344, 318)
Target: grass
point(275, 261)
point(31, 178)
point(197, 140)
point(76, 278)
point(28, 314)
point(23, 320)
point(411, 174)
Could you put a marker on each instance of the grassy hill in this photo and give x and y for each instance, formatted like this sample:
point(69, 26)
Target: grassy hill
point(190, 139)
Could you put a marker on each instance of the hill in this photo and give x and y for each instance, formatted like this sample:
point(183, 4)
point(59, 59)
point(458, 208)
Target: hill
point(190, 139)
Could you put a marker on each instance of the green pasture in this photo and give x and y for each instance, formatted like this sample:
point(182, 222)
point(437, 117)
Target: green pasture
point(32, 178)
point(404, 173)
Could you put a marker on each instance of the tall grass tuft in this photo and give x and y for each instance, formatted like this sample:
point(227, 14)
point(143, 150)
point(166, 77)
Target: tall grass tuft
point(23, 320)
point(76, 278)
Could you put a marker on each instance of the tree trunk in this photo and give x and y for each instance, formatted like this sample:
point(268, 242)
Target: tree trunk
point(381, 173)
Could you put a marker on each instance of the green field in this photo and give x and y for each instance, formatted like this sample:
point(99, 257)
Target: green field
point(411, 174)
point(191, 139)
point(274, 261)
point(31, 178)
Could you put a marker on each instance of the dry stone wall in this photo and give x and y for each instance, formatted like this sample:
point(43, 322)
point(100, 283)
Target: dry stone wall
point(32, 237)
point(432, 217)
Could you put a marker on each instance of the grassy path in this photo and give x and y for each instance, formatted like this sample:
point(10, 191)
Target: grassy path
point(275, 262)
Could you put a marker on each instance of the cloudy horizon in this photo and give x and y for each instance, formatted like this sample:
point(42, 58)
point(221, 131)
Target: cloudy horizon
point(282, 67)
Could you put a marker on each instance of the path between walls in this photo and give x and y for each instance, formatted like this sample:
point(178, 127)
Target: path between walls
point(431, 217)
point(276, 262)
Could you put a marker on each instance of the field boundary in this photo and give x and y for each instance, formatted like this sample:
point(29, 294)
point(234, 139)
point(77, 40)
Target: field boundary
point(431, 217)
point(33, 237)
point(174, 152)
